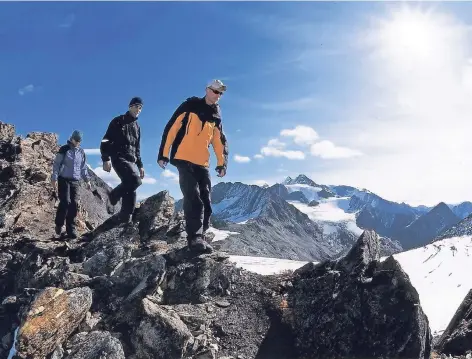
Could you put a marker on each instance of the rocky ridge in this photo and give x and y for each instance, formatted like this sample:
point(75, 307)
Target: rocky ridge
point(135, 291)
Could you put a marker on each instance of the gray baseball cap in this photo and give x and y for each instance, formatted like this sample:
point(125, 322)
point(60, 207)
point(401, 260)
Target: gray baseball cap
point(217, 85)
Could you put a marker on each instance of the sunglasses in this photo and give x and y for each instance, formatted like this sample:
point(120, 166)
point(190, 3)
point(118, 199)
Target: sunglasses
point(216, 92)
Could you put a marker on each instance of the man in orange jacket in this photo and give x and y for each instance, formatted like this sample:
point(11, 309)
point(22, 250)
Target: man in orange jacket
point(192, 128)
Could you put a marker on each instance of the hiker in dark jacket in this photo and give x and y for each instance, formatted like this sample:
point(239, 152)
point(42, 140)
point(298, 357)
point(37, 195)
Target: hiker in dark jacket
point(185, 143)
point(121, 148)
point(69, 168)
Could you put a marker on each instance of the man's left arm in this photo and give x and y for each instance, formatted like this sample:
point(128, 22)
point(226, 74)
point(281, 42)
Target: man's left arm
point(220, 146)
point(139, 162)
point(84, 170)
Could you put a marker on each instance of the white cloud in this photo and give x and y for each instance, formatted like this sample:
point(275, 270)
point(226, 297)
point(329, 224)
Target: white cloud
point(275, 142)
point(24, 90)
point(110, 178)
point(275, 148)
point(275, 152)
point(328, 150)
point(171, 175)
point(92, 151)
point(241, 159)
point(302, 135)
point(258, 156)
point(149, 180)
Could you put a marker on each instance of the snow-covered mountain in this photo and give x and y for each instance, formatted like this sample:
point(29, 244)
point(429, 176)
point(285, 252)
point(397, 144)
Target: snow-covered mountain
point(438, 271)
point(339, 213)
point(293, 221)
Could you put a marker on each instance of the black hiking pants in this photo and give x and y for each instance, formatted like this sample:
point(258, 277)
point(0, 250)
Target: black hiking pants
point(68, 193)
point(195, 184)
point(126, 190)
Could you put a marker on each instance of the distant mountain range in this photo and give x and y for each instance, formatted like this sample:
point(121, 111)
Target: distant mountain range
point(303, 220)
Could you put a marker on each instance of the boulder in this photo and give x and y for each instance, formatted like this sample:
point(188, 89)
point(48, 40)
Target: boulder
point(95, 345)
point(457, 338)
point(161, 334)
point(51, 319)
point(357, 307)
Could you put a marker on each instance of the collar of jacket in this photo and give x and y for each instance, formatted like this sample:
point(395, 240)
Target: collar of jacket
point(71, 146)
point(127, 118)
point(214, 106)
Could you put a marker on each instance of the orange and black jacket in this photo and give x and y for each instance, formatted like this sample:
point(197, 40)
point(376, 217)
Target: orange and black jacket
point(190, 131)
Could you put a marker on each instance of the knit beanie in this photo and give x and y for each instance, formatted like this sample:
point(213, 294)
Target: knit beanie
point(136, 101)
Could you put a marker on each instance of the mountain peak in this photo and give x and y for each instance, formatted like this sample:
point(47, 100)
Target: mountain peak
point(442, 207)
point(300, 179)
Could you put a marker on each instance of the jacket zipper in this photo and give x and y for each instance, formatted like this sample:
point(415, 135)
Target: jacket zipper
point(188, 125)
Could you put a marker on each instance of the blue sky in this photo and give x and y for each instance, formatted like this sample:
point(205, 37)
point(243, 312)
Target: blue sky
point(375, 95)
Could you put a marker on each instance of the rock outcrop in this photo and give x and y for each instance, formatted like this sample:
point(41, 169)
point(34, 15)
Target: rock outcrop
point(357, 307)
point(52, 318)
point(27, 201)
point(457, 338)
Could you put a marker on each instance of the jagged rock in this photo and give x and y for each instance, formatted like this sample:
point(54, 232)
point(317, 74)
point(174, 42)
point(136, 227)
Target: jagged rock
point(155, 214)
point(53, 316)
point(330, 301)
point(27, 198)
point(457, 338)
point(138, 274)
point(161, 334)
point(40, 272)
point(105, 240)
point(104, 262)
point(7, 131)
point(193, 278)
point(58, 353)
point(313, 203)
point(95, 345)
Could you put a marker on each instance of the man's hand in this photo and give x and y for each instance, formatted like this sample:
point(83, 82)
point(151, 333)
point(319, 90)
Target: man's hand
point(221, 172)
point(54, 185)
point(141, 173)
point(107, 166)
point(89, 186)
point(162, 164)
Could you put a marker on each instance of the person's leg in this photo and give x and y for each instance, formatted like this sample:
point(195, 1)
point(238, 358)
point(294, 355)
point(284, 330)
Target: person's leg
point(204, 183)
point(130, 181)
point(63, 194)
point(193, 205)
point(72, 209)
point(193, 208)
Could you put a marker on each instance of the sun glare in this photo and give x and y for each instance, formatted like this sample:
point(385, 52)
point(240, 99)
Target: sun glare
point(411, 36)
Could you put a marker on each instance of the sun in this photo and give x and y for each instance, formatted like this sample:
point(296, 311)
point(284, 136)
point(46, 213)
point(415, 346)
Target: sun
point(411, 36)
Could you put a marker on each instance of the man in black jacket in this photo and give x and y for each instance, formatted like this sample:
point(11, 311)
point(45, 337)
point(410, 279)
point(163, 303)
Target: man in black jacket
point(121, 147)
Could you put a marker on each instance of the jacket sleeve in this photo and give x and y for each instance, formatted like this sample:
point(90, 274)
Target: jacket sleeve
point(139, 162)
point(106, 145)
point(83, 169)
point(56, 166)
point(220, 146)
point(170, 132)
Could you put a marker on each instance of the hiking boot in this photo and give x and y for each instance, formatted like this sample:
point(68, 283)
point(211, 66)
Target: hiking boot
point(199, 245)
point(71, 232)
point(58, 230)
